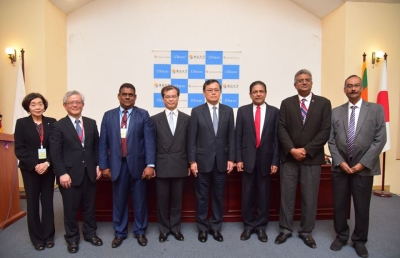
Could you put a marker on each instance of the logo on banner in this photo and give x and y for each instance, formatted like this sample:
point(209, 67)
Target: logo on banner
point(230, 71)
point(160, 85)
point(179, 57)
point(197, 56)
point(179, 71)
point(196, 72)
point(230, 86)
point(213, 57)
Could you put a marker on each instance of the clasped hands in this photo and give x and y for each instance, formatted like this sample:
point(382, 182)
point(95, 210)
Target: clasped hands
point(351, 170)
point(41, 168)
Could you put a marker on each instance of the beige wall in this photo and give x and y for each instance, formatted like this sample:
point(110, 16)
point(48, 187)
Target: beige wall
point(347, 33)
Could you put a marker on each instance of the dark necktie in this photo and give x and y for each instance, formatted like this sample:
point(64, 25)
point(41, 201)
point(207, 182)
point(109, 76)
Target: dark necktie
point(215, 120)
point(303, 109)
point(352, 131)
point(257, 122)
point(123, 140)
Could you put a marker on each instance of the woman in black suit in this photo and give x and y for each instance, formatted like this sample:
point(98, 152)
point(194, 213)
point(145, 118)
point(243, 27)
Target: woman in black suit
point(32, 150)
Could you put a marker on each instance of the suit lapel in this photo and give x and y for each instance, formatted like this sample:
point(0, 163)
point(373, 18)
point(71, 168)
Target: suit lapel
point(297, 107)
point(249, 112)
point(71, 129)
point(310, 110)
point(179, 124)
point(46, 130)
point(345, 117)
point(221, 115)
point(115, 121)
point(207, 117)
point(361, 117)
point(33, 131)
point(266, 119)
point(165, 125)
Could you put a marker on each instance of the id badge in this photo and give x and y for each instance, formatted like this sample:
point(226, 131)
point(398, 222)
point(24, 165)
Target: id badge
point(123, 132)
point(42, 153)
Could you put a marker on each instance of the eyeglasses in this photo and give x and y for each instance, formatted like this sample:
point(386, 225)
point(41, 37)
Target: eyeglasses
point(303, 80)
point(350, 86)
point(71, 103)
point(171, 97)
point(130, 95)
point(213, 90)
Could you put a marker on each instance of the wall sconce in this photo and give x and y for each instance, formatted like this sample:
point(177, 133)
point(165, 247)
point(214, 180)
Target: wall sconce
point(376, 56)
point(12, 54)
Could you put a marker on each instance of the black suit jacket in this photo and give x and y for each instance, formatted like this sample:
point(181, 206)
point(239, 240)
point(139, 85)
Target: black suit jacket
point(27, 142)
point(171, 154)
point(246, 139)
point(204, 145)
point(311, 136)
point(67, 152)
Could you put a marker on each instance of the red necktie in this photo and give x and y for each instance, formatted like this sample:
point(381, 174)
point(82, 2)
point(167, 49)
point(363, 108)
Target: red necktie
point(123, 140)
point(257, 121)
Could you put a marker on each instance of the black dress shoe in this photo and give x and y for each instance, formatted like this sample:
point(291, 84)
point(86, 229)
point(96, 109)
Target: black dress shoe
point(246, 234)
point(262, 236)
point(282, 237)
point(308, 240)
point(73, 247)
point(96, 241)
point(163, 237)
point(39, 247)
point(117, 241)
point(141, 239)
point(361, 250)
point(216, 235)
point(202, 236)
point(337, 244)
point(178, 236)
point(49, 244)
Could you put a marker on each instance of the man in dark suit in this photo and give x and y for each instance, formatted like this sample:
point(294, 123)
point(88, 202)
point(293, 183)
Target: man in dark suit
point(171, 163)
point(257, 155)
point(127, 155)
point(358, 135)
point(304, 125)
point(74, 144)
point(211, 149)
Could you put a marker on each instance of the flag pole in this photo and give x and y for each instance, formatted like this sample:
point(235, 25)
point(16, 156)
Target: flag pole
point(382, 192)
point(23, 62)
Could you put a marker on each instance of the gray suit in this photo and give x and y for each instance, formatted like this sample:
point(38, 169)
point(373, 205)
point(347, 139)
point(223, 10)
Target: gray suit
point(171, 170)
point(370, 138)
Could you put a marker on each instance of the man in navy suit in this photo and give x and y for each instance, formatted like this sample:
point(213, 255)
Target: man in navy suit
point(211, 149)
point(257, 156)
point(127, 156)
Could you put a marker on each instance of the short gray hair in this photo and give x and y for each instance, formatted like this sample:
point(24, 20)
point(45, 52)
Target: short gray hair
point(302, 71)
point(70, 93)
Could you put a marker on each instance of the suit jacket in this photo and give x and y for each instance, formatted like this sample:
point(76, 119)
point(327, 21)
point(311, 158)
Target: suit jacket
point(370, 138)
point(27, 142)
point(140, 142)
point(171, 156)
point(246, 140)
point(204, 145)
point(68, 154)
point(311, 136)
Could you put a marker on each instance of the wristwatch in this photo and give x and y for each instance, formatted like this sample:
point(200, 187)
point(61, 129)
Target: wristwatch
point(48, 163)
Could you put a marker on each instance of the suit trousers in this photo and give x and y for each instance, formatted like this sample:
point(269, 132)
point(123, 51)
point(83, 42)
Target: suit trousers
point(169, 194)
point(255, 196)
point(309, 176)
point(82, 196)
point(122, 186)
point(214, 180)
point(360, 187)
point(39, 191)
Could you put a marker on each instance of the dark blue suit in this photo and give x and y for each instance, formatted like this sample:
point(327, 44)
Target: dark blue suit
point(126, 173)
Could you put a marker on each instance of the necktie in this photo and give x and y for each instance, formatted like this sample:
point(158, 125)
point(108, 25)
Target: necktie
point(78, 129)
point(123, 140)
point(215, 120)
point(257, 121)
point(352, 131)
point(303, 109)
point(171, 122)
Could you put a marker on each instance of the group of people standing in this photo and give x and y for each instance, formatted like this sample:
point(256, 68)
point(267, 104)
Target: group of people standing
point(133, 147)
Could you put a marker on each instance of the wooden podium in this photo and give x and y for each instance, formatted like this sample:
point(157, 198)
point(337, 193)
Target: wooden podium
point(10, 210)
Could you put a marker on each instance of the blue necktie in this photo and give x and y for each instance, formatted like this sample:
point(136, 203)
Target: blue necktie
point(352, 131)
point(215, 120)
point(79, 131)
point(171, 122)
point(303, 109)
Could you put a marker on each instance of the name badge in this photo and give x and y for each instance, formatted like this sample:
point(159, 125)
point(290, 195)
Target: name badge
point(123, 132)
point(42, 153)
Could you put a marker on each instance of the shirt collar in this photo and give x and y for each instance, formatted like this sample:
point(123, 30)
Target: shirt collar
point(358, 104)
point(73, 119)
point(175, 111)
point(308, 98)
point(262, 106)
point(210, 106)
point(121, 110)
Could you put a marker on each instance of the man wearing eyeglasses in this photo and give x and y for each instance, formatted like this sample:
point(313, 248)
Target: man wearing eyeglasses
point(211, 149)
point(74, 145)
point(303, 129)
point(358, 135)
point(127, 156)
point(171, 163)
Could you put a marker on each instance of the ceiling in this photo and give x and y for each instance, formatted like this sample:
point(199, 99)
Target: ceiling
point(319, 8)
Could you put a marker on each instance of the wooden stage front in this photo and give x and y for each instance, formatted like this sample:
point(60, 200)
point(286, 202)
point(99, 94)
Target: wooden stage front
point(232, 199)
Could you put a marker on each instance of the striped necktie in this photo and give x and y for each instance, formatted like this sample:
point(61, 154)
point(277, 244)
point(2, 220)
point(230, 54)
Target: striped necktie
point(303, 110)
point(352, 131)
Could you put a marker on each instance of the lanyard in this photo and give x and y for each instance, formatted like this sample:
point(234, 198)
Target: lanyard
point(41, 134)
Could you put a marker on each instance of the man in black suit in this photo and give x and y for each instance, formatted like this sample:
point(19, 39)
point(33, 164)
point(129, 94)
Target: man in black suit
point(171, 163)
point(304, 125)
point(211, 149)
point(358, 135)
point(74, 143)
point(257, 155)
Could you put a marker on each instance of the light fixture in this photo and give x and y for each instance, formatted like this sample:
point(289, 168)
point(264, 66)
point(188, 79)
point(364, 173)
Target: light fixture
point(12, 54)
point(376, 56)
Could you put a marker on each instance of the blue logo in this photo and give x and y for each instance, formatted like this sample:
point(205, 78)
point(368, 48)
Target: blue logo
point(231, 100)
point(195, 99)
point(158, 101)
point(230, 72)
point(162, 71)
point(196, 72)
point(179, 57)
point(214, 57)
point(182, 84)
